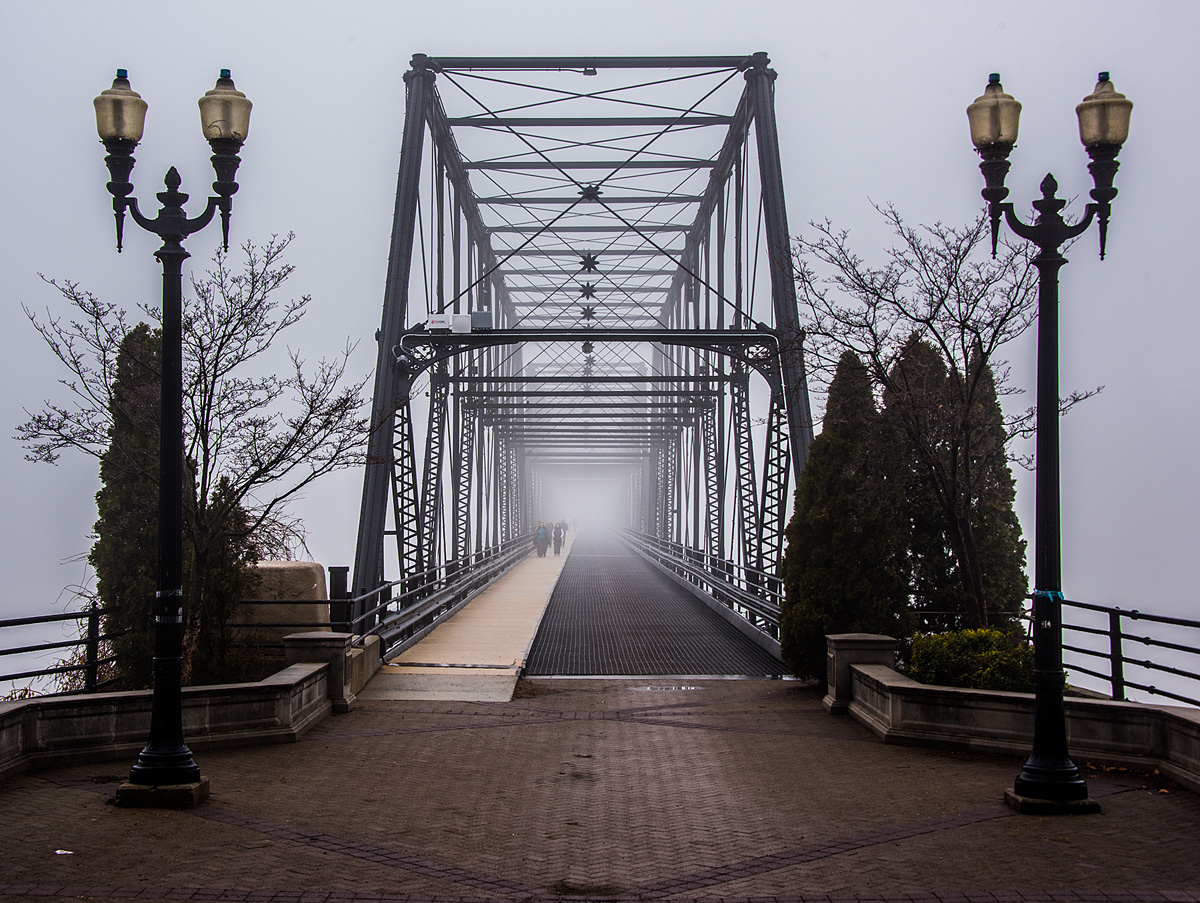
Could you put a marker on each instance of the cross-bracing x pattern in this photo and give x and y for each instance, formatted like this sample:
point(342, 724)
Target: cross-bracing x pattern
point(588, 187)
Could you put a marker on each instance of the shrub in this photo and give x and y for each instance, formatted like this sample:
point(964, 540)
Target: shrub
point(980, 659)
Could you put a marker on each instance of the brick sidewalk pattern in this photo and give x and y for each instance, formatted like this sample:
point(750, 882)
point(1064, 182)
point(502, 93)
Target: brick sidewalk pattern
point(619, 790)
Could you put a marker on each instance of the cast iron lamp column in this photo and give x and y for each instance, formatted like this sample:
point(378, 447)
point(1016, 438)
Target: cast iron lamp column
point(1049, 780)
point(225, 119)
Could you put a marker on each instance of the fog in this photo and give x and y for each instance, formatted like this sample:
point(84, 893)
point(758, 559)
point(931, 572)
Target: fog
point(596, 500)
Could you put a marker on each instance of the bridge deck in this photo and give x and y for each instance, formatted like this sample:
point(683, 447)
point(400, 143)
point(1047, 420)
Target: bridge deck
point(602, 612)
point(476, 655)
point(613, 614)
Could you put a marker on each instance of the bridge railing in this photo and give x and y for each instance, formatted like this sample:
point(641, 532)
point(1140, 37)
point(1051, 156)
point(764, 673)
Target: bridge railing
point(401, 611)
point(1100, 637)
point(750, 593)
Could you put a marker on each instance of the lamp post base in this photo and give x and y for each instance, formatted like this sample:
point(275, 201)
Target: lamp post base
point(1033, 806)
point(162, 796)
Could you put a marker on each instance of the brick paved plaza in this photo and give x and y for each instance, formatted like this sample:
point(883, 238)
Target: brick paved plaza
point(596, 790)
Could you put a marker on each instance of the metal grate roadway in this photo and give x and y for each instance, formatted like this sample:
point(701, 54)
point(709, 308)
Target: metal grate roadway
point(613, 614)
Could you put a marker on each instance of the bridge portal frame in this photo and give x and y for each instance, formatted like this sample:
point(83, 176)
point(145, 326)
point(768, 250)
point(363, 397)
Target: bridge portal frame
point(470, 375)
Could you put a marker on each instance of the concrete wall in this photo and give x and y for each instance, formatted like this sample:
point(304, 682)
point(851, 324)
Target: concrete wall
point(64, 730)
point(898, 709)
point(300, 583)
point(325, 673)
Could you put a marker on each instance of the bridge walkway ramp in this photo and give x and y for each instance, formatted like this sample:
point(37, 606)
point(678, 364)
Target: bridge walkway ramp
point(477, 654)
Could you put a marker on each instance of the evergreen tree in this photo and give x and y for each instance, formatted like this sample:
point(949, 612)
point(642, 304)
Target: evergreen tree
point(872, 545)
point(124, 555)
point(125, 549)
point(844, 569)
point(913, 427)
point(994, 522)
point(929, 323)
point(218, 576)
point(966, 552)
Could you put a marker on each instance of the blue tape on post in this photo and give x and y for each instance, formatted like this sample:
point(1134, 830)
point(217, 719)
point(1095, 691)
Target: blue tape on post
point(1049, 594)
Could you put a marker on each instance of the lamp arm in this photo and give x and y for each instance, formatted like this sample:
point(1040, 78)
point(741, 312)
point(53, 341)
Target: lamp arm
point(1048, 233)
point(131, 205)
point(199, 222)
point(1090, 212)
point(1024, 230)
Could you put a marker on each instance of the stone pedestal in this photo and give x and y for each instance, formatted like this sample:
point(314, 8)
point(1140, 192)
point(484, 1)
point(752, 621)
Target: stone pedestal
point(327, 646)
point(301, 584)
point(844, 650)
point(165, 796)
point(1031, 806)
point(350, 666)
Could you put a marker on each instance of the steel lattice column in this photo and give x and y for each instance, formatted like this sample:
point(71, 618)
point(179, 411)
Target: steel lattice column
point(775, 488)
point(390, 393)
point(464, 461)
point(714, 473)
point(747, 483)
point(406, 507)
point(761, 86)
point(431, 489)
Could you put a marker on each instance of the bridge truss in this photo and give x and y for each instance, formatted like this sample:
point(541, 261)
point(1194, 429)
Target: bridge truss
point(589, 274)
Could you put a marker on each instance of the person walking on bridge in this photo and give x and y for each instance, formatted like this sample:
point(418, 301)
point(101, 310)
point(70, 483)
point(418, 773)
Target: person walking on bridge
point(558, 538)
point(542, 537)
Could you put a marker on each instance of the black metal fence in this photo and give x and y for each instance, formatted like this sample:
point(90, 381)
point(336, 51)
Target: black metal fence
point(1099, 639)
point(82, 665)
point(398, 612)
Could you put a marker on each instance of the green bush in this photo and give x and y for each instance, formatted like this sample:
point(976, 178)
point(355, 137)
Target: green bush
point(979, 659)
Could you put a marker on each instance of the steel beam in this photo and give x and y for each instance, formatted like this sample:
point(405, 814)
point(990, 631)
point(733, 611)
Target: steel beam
point(559, 63)
point(556, 230)
point(607, 165)
point(484, 120)
point(760, 82)
point(567, 201)
point(618, 253)
point(390, 390)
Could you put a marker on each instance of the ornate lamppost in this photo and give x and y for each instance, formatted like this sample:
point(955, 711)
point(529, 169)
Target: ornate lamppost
point(166, 761)
point(1050, 781)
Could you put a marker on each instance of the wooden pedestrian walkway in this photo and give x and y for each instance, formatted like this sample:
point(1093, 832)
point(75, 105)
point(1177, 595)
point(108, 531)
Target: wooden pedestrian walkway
point(477, 655)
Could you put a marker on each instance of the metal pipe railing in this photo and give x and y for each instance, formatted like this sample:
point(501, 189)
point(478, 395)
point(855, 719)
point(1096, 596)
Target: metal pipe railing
point(1115, 658)
point(91, 639)
point(754, 595)
point(424, 597)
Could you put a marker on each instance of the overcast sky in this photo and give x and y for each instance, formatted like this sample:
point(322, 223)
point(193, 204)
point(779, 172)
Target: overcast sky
point(870, 99)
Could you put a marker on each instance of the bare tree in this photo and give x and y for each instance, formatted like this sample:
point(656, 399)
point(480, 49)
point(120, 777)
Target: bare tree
point(937, 286)
point(255, 433)
point(269, 435)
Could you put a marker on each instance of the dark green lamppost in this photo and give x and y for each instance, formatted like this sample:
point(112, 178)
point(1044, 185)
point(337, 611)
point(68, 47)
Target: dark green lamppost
point(166, 761)
point(1050, 781)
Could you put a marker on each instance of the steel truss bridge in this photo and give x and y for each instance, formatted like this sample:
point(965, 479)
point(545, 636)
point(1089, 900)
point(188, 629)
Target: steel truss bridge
point(589, 299)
